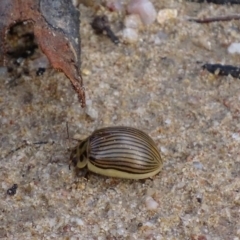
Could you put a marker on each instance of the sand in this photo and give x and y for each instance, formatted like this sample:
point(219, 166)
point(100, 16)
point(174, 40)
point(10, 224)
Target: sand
point(156, 85)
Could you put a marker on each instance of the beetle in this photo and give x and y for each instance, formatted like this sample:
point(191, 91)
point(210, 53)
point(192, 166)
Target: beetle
point(122, 152)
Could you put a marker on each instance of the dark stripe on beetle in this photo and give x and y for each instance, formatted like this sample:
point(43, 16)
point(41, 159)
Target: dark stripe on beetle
point(115, 156)
point(123, 137)
point(109, 130)
point(122, 160)
point(114, 131)
point(119, 160)
point(120, 146)
point(104, 145)
point(126, 168)
point(121, 140)
point(127, 150)
point(120, 164)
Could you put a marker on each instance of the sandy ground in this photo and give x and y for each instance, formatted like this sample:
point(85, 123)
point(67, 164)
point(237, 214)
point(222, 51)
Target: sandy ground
point(156, 86)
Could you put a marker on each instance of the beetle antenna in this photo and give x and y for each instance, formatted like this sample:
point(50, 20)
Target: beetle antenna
point(68, 144)
point(69, 137)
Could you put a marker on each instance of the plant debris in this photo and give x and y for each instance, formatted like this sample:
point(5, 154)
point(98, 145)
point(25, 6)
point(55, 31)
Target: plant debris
point(222, 70)
point(216, 19)
point(218, 1)
point(101, 25)
point(55, 29)
point(13, 190)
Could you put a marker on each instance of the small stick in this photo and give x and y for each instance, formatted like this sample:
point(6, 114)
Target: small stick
point(26, 143)
point(216, 19)
point(68, 135)
point(218, 1)
point(68, 148)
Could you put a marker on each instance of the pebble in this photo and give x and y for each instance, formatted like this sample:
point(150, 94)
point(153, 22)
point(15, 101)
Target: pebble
point(234, 48)
point(144, 8)
point(75, 3)
point(165, 15)
point(90, 111)
point(198, 165)
point(86, 72)
point(132, 21)
point(236, 136)
point(203, 42)
point(130, 35)
point(78, 221)
point(151, 204)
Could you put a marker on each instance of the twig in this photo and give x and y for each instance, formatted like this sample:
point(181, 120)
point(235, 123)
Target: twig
point(25, 144)
point(219, 1)
point(216, 19)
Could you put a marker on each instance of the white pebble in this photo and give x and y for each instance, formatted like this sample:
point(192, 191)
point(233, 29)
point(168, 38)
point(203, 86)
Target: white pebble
point(130, 35)
point(203, 42)
point(234, 48)
point(148, 224)
point(121, 231)
point(86, 72)
point(198, 165)
point(132, 21)
point(77, 220)
point(75, 3)
point(144, 8)
point(166, 14)
point(164, 150)
point(90, 111)
point(236, 136)
point(168, 121)
point(151, 204)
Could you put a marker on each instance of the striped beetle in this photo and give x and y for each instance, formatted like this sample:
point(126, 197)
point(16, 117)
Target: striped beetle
point(122, 152)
